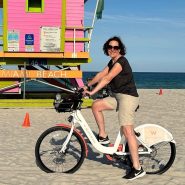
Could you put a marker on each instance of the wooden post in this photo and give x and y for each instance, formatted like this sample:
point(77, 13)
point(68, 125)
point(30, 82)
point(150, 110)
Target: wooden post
point(24, 91)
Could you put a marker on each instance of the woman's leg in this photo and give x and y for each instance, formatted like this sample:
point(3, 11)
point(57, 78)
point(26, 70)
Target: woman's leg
point(129, 134)
point(127, 106)
point(97, 108)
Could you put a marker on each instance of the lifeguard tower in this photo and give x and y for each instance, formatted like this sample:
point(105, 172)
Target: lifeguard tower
point(47, 42)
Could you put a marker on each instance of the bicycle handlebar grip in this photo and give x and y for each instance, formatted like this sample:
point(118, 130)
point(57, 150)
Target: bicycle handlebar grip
point(81, 90)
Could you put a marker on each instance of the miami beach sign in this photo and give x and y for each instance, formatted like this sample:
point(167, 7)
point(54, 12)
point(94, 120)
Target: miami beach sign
point(40, 74)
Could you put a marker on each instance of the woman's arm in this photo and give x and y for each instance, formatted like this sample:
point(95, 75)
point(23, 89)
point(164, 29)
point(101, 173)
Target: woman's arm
point(107, 78)
point(99, 76)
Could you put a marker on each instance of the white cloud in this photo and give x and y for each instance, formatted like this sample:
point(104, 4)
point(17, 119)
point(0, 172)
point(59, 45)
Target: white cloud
point(139, 20)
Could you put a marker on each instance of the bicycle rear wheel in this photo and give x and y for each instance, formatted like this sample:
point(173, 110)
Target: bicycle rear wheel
point(47, 148)
point(160, 160)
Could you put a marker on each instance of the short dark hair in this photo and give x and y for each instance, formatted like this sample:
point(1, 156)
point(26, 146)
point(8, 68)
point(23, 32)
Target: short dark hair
point(121, 45)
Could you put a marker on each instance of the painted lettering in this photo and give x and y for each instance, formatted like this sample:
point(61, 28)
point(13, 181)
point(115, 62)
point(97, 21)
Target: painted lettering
point(39, 74)
point(56, 74)
point(50, 75)
point(63, 74)
point(153, 132)
point(5, 73)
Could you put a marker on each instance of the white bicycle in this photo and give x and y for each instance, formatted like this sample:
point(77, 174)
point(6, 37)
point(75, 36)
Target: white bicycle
point(63, 148)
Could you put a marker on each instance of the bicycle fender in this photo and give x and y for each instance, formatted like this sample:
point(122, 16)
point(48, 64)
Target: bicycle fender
point(151, 134)
point(78, 133)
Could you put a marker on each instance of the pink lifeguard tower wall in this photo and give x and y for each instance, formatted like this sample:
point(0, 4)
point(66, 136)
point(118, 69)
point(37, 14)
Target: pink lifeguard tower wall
point(30, 23)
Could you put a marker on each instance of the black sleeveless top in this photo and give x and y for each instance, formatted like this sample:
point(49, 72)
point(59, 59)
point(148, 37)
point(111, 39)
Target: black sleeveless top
point(124, 81)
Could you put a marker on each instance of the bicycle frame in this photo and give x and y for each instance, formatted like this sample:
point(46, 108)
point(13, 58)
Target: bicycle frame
point(67, 143)
point(77, 118)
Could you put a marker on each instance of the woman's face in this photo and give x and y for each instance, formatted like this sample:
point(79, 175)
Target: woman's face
point(113, 49)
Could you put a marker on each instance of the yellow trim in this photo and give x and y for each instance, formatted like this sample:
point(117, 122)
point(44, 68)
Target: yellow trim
point(5, 25)
point(41, 103)
point(77, 39)
point(64, 62)
point(50, 61)
point(5, 83)
point(14, 103)
point(35, 10)
point(63, 25)
point(78, 28)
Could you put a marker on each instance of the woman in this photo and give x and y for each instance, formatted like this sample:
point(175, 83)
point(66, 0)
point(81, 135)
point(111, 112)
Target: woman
point(118, 75)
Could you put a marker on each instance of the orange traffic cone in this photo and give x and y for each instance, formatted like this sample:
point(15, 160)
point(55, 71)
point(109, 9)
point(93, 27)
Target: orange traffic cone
point(26, 122)
point(160, 92)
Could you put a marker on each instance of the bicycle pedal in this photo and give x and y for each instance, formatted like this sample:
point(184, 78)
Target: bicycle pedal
point(109, 157)
point(114, 157)
point(117, 157)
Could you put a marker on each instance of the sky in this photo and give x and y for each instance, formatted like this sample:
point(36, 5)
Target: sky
point(152, 30)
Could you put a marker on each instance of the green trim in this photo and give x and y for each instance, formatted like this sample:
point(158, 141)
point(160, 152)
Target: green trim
point(77, 39)
point(45, 103)
point(7, 103)
point(6, 83)
point(73, 64)
point(5, 25)
point(63, 25)
point(34, 9)
point(89, 60)
point(26, 6)
point(56, 61)
point(79, 28)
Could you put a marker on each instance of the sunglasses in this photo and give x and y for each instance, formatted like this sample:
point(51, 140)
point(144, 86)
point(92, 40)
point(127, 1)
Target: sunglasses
point(113, 47)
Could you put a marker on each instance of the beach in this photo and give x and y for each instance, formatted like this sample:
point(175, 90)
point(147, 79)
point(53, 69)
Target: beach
point(17, 158)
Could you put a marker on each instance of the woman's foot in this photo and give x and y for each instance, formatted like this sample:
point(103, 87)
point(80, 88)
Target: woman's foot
point(103, 140)
point(134, 174)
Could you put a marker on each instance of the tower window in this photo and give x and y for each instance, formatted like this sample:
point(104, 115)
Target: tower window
point(35, 5)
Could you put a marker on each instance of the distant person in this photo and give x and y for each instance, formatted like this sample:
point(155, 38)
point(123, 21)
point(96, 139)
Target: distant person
point(118, 75)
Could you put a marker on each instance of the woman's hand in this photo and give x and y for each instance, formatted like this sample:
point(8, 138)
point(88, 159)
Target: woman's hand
point(89, 93)
point(84, 87)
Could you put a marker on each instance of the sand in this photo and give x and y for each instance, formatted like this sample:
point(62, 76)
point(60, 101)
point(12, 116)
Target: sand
point(17, 159)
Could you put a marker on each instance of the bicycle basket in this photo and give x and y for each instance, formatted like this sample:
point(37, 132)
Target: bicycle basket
point(64, 105)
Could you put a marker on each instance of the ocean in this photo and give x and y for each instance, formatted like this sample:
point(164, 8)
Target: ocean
point(153, 80)
point(144, 80)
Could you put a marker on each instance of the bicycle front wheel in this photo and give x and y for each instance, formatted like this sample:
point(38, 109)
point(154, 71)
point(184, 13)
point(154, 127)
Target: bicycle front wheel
point(48, 155)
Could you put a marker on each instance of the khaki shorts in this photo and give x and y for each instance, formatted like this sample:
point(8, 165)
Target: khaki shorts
point(126, 106)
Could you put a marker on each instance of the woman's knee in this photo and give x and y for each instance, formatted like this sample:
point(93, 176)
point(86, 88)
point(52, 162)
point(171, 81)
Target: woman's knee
point(128, 131)
point(100, 105)
point(96, 106)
